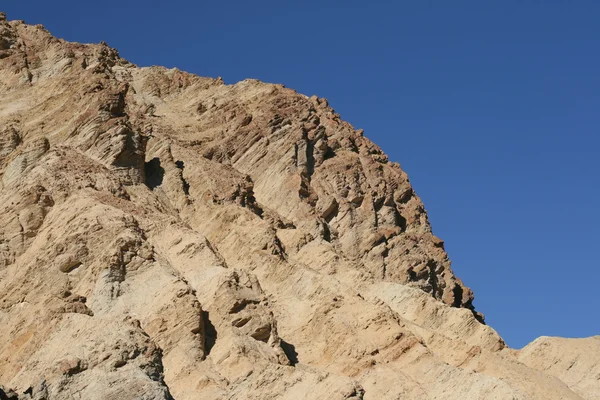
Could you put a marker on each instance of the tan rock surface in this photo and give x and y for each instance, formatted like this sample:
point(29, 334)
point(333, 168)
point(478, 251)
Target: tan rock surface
point(164, 235)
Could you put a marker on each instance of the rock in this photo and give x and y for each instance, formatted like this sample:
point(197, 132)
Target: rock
point(164, 235)
point(9, 140)
point(7, 394)
point(67, 263)
point(72, 366)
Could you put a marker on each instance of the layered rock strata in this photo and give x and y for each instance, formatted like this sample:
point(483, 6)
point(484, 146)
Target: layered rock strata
point(164, 235)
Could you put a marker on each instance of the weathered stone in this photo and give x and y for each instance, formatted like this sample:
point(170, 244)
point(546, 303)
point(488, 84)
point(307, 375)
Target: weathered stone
point(164, 235)
point(72, 366)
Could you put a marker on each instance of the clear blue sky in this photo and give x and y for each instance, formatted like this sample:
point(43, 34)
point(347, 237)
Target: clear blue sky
point(493, 108)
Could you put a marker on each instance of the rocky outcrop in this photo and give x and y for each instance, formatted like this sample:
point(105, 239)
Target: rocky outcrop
point(164, 235)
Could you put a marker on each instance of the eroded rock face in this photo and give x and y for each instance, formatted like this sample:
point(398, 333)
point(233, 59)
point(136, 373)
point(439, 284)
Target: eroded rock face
point(164, 235)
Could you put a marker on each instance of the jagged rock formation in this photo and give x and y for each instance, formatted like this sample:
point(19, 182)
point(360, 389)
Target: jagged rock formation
point(164, 235)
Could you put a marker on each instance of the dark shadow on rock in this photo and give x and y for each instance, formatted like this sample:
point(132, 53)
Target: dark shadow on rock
point(290, 351)
point(186, 185)
point(400, 220)
point(7, 394)
point(154, 173)
point(210, 333)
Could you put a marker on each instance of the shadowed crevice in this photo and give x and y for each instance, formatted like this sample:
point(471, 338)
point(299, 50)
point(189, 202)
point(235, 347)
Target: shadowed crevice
point(290, 352)
point(154, 173)
point(457, 292)
point(186, 185)
point(433, 279)
point(210, 333)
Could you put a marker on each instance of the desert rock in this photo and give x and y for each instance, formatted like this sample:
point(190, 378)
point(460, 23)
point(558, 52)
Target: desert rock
point(165, 235)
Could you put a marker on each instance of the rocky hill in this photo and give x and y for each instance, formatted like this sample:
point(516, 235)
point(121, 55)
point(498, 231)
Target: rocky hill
point(167, 236)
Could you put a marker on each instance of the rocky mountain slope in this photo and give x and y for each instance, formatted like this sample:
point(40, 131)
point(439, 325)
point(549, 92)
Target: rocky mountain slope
point(167, 236)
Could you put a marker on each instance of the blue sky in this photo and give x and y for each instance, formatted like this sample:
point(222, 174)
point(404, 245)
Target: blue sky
point(493, 108)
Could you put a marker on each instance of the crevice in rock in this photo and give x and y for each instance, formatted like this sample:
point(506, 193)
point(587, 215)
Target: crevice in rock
point(329, 153)
point(478, 316)
point(255, 207)
point(353, 146)
point(457, 292)
point(186, 185)
point(326, 232)
point(210, 333)
point(378, 202)
point(400, 220)
point(154, 173)
point(412, 275)
point(433, 279)
point(290, 352)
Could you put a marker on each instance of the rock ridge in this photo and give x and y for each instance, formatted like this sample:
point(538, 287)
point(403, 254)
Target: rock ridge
point(168, 236)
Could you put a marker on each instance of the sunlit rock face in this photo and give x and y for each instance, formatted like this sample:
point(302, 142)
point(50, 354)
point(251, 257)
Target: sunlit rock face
point(164, 235)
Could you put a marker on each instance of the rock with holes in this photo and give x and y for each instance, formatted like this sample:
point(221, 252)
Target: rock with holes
point(164, 235)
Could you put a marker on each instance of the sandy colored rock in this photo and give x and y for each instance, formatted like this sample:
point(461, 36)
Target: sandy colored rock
point(164, 235)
